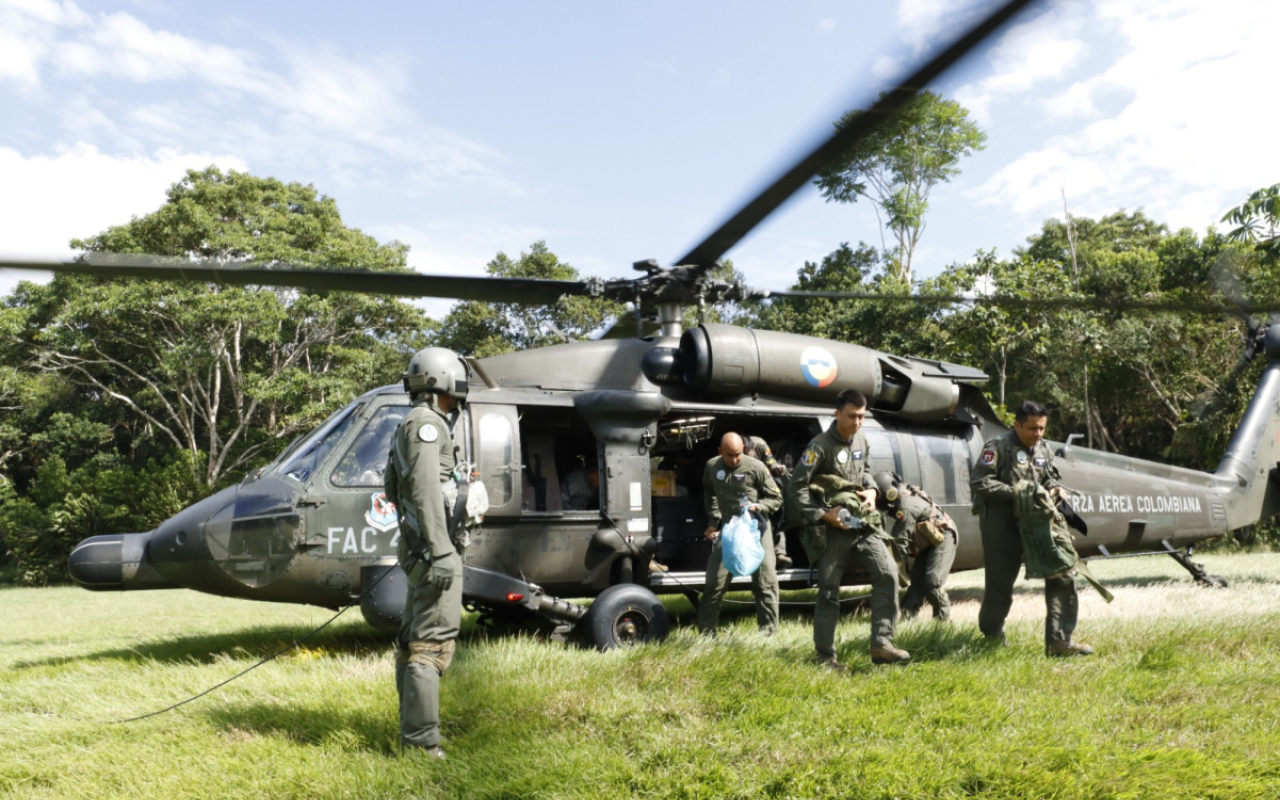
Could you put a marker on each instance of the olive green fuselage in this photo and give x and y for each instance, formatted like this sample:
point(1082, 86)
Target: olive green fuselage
point(314, 526)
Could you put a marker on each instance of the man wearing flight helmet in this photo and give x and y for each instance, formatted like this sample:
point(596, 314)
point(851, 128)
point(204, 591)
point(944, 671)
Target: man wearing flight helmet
point(920, 528)
point(421, 461)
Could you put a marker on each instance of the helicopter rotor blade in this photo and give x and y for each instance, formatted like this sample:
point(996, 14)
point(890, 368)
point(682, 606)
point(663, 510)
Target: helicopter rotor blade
point(541, 291)
point(1042, 303)
point(1226, 277)
point(403, 284)
point(705, 254)
point(683, 285)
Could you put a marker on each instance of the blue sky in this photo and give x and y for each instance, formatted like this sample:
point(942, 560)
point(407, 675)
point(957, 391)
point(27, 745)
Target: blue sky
point(619, 132)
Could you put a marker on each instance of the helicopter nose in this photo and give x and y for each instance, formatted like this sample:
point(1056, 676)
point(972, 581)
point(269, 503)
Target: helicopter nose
point(114, 562)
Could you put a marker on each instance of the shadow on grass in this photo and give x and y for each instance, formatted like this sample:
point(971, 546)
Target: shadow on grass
point(260, 642)
point(928, 642)
point(351, 730)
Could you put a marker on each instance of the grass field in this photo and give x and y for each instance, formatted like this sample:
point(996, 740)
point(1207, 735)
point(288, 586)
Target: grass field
point(1182, 700)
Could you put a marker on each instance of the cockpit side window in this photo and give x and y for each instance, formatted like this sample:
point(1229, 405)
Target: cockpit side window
point(311, 452)
point(365, 462)
point(499, 457)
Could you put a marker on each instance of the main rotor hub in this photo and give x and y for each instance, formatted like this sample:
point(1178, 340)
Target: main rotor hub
point(688, 284)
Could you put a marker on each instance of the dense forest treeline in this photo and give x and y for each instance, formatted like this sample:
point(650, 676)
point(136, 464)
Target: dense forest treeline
point(122, 402)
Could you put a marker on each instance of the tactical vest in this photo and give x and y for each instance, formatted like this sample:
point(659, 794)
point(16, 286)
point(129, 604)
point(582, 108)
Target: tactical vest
point(1046, 540)
point(932, 527)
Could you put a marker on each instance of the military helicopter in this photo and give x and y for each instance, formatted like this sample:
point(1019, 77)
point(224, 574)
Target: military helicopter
point(314, 526)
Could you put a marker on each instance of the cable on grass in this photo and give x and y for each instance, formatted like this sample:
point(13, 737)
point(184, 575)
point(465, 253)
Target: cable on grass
point(344, 609)
point(265, 660)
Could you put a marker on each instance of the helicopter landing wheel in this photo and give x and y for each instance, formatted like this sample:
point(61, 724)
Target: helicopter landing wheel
point(624, 615)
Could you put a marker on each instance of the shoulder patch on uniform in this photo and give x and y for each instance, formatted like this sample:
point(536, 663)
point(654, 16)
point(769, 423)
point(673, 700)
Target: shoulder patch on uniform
point(809, 458)
point(428, 433)
point(987, 458)
point(901, 515)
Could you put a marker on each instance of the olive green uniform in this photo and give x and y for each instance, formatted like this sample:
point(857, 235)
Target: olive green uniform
point(758, 448)
point(828, 454)
point(932, 565)
point(1005, 461)
point(723, 489)
point(422, 458)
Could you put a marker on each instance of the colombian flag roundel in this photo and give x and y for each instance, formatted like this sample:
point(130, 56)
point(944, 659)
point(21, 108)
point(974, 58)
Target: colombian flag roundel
point(819, 367)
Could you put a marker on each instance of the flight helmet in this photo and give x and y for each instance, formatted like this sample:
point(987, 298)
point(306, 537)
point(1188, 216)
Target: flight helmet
point(438, 370)
point(887, 484)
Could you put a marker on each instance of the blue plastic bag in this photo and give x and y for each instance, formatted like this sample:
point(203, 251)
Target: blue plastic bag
point(740, 550)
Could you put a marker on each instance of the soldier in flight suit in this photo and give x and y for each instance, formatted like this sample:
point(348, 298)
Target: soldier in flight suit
point(422, 459)
point(1020, 455)
point(729, 479)
point(758, 449)
point(842, 451)
point(917, 522)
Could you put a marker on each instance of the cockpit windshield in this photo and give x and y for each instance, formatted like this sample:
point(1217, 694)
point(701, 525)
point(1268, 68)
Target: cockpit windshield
point(300, 462)
point(365, 462)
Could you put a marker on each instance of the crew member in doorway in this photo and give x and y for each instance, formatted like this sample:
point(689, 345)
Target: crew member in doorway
point(731, 482)
point(582, 488)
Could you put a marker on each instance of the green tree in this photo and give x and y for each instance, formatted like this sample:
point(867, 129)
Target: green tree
point(900, 328)
point(225, 373)
point(484, 329)
point(1257, 220)
point(1128, 381)
point(116, 391)
point(897, 167)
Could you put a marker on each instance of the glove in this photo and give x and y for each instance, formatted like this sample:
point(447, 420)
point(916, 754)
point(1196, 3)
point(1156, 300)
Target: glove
point(440, 575)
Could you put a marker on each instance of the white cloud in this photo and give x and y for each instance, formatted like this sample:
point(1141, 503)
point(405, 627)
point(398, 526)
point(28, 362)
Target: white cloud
point(317, 109)
point(1192, 132)
point(885, 68)
point(977, 102)
point(121, 46)
point(340, 93)
point(927, 23)
point(1025, 56)
point(1076, 101)
point(1034, 51)
point(80, 192)
point(27, 32)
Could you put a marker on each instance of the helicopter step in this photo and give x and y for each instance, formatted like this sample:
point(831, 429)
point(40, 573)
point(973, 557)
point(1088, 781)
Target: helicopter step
point(1183, 557)
point(695, 580)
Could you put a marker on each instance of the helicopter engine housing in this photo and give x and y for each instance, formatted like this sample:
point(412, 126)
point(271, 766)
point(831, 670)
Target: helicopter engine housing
point(730, 360)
